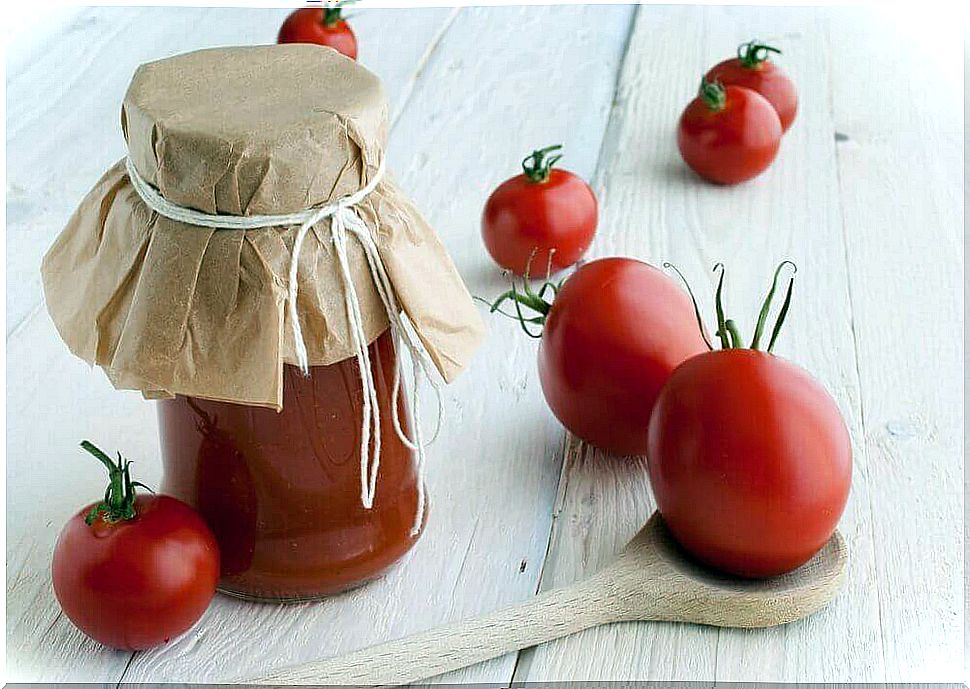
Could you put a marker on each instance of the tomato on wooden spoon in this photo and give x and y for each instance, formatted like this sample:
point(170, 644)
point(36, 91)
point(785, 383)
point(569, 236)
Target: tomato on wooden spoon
point(749, 458)
point(322, 26)
point(134, 571)
point(546, 213)
point(754, 70)
point(728, 134)
point(611, 337)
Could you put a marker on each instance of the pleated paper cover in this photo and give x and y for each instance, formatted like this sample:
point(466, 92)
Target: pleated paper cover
point(168, 308)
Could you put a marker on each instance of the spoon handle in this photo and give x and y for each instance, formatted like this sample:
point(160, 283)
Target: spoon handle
point(548, 616)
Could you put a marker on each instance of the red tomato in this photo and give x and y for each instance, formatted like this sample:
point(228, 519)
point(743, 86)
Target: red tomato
point(133, 572)
point(615, 331)
point(544, 217)
point(728, 134)
point(753, 70)
point(323, 26)
point(750, 461)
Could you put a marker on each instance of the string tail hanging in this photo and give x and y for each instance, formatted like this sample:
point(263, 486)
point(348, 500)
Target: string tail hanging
point(344, 221)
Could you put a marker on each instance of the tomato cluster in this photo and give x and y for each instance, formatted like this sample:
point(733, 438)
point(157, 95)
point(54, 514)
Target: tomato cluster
point(732, 130)
point(749, 458)
point(134, 571)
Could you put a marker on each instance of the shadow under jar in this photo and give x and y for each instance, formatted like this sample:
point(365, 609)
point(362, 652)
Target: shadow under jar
point(282, 491)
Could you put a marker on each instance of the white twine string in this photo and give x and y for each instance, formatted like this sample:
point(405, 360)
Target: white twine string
point(343, 220)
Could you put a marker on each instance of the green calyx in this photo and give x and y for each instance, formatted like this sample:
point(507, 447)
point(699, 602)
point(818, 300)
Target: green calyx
point(713, 94)
point(332, 13)
point(119, 497)
point(538, 165)
point(752, 54)
point(727, 330)
point(535, 301)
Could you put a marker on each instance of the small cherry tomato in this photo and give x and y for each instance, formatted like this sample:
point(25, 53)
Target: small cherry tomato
point(728, 134)
point(749, 459)
point(753, 70)
point(320, 25)
point(545, 217)
point(133, 571)
point(614, 332)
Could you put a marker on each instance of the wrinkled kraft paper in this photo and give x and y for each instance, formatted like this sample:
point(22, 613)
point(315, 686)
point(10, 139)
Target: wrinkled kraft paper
point(168, 308)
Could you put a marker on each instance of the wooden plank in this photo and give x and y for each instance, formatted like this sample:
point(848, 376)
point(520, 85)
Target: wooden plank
point(471, 117)
point(901, 173)
point(868, 232)
point(64, 96)
point(655, 209)
point(63, 132)
point(54, 401)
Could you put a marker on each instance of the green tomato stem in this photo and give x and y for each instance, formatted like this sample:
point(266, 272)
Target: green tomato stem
point(697, 311)
point(719, 308)
point(781, 314)
point(732, 329)
point(753, 53)
point(766, 305)
point(537, 166)
point(713, 94)
point(332, 13)
point(119, 497)
point(727, 330)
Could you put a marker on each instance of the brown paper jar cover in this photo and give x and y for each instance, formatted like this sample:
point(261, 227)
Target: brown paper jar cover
point(169, 308)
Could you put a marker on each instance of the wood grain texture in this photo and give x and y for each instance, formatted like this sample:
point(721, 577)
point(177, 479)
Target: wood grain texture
point(655, 209)
point(872, 220)
point(477, 474)
point(473, 116)
point(652, 579)
point(903, 230)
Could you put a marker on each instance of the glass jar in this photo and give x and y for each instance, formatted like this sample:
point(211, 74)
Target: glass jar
point(282, 491)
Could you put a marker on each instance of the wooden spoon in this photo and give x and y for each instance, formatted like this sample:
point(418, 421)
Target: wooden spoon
point(652, 579)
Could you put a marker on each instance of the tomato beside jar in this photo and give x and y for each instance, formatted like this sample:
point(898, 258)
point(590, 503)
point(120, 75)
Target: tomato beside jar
point(134, 571)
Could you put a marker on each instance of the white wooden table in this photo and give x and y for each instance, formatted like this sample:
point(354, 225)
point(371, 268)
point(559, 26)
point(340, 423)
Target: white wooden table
point(865, 196)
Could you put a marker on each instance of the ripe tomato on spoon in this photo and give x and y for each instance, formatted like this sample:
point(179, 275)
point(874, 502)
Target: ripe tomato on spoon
point(545, 214)
point(134, 571)
point(728, 134)
point(322, 26)
point(753, 69)
point(611, 336)
point(749, 459)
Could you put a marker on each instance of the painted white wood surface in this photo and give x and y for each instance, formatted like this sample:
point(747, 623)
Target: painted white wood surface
point(904, 234)
point(657, 210)
point(874, 223)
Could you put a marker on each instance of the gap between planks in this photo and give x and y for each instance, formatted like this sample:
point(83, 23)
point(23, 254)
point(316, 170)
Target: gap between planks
point(857, 369)
point(523, 659)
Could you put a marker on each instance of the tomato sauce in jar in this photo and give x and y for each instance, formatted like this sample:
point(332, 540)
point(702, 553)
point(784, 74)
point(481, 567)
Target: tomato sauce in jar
point(282, 491)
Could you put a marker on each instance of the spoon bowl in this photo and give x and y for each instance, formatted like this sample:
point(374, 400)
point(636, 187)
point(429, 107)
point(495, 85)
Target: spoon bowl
point(663, 582)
